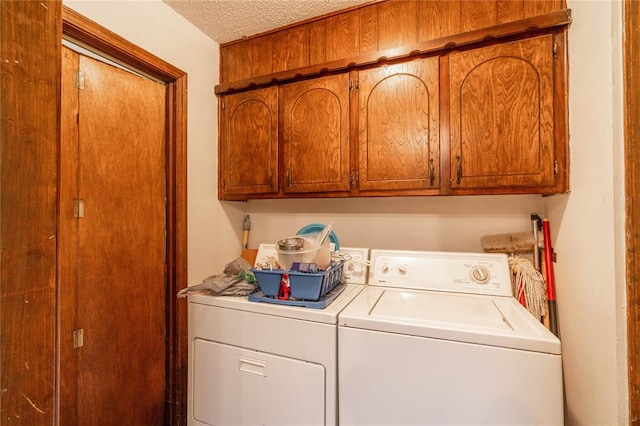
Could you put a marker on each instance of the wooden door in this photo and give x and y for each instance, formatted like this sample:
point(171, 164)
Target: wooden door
point(112, 246)
point(316, 151)
point(398, 129)
point(501, 116)
point(249, 143)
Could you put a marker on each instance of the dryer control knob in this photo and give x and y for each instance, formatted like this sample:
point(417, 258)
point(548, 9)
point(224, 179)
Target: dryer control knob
point(385, 269)
point(480, 274)
point(402, 270)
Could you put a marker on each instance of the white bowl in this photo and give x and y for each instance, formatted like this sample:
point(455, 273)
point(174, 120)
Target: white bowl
point(309, 253)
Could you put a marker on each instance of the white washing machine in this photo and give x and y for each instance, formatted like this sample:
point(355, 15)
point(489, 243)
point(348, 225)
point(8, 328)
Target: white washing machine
point(256, 363)
point(437, 339)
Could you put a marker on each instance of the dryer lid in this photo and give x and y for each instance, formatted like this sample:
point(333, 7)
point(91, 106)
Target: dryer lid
point(479, 319)
point(328, 315)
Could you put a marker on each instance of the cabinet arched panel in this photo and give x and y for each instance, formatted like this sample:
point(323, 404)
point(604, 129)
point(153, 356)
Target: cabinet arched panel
point(316, 135)
point(250, 137)
point(502, 115)
point(399, 135)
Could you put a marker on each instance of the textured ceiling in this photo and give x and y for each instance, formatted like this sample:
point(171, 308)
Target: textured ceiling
point(227, 20)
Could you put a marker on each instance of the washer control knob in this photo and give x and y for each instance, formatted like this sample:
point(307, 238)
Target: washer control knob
point(480, 274)
point(385, 269)
point(351, 266)
point(402, 270)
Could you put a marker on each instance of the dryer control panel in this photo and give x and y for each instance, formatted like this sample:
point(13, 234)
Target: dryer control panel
point(476, 273)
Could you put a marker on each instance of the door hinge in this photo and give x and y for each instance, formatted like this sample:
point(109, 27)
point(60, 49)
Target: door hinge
point(78, 338)
point(80, 80)
point(78, 207)
point(555, 49)
point(223, 106)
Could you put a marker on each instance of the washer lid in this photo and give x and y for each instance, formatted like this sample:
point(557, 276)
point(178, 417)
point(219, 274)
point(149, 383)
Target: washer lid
point(480, 319)
point(328, 315)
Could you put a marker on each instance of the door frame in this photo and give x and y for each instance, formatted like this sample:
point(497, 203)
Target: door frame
point(99, 39)
point(631, 85)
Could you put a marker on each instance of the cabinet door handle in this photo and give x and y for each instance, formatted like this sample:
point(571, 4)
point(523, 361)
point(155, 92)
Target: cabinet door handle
point(458, 169)
point(432, 172)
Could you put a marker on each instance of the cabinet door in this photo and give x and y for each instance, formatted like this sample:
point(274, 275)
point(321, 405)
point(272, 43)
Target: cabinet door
point(249, 148)
point(501, 116)
point(398, 127)
point(316, 135)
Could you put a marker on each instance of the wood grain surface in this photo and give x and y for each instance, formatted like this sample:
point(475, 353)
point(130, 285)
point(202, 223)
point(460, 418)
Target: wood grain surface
point(502, 115)
point(29, 132)
point(316, 135)
point(249, 142)
point(632, 172)
point(367, 29)
point(398, 126)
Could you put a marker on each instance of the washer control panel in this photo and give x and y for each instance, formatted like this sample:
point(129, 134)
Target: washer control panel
point(478, 273)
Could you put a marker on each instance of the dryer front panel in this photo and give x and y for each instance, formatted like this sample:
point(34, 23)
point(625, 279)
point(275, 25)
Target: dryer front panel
point(236, 386)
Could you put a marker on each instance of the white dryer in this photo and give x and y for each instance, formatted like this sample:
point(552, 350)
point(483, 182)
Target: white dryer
point(437, 339)
point(256, 363)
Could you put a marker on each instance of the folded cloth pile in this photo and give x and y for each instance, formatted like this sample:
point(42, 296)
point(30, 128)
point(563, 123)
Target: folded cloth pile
point(236, 280)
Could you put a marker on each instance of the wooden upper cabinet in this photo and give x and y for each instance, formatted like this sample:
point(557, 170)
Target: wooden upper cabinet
point(249, 143)
point(399, 127)
point(395, 98)
point(315, 116)
point(502, 115)
point(368, 29)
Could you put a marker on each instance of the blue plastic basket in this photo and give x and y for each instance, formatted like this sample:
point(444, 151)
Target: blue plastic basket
point(269, 281)
point(303, 285)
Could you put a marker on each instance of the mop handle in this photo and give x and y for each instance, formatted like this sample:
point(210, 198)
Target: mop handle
point(551, 290)
point(548, 259)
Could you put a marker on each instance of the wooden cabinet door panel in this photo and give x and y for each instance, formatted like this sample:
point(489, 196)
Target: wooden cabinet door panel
point(290, 48)
point(397, 24)
point(237, 59)
point(343, 36)
point(249, 149)
point(476, 14)
point(437, 18)
point(316, 135)
point(262, 51)
point(501, 125)
point(398, 127)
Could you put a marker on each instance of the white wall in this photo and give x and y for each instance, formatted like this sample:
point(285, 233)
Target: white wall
point(155, 27)
point(413, 223)
point(588, 225)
